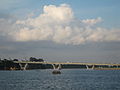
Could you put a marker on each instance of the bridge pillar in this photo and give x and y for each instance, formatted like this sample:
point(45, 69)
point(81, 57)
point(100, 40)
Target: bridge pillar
point(23, 67)
point(90, 66)
point(56, 66)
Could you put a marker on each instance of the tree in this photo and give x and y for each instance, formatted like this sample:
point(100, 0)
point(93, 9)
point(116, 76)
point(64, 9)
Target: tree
point(32, 59)
point(15, 59)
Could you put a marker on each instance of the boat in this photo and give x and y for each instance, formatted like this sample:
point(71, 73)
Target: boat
point(56, 72)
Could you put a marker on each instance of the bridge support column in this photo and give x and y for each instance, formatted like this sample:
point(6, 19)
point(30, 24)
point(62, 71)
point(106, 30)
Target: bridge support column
point(90, 66)
point(56, 68)
point(22, 66)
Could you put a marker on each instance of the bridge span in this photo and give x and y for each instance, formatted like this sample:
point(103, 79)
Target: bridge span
point(23, 65)
point(63, 63)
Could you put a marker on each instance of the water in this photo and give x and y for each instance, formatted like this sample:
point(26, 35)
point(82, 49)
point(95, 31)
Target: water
point(68, 80)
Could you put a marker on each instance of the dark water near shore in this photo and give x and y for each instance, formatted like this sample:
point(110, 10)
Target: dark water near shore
point(68, 80)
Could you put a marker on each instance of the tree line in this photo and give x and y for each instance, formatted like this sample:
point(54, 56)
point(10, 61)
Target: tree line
point(32, 59)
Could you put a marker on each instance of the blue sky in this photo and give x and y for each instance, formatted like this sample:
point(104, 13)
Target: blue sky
point(107, 9)
point(93, 18)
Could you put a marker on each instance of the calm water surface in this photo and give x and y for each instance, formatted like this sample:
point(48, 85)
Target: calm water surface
point(68, 80)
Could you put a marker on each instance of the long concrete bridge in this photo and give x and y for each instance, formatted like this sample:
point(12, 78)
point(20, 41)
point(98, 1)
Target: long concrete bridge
point(58, 65)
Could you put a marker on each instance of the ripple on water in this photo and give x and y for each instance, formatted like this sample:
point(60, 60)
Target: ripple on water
point(68, 80)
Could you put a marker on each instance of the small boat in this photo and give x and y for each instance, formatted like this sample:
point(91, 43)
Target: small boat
point(56, 72)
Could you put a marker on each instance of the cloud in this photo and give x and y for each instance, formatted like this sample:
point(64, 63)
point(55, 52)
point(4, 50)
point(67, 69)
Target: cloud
point(58, 24)
point(92, 21)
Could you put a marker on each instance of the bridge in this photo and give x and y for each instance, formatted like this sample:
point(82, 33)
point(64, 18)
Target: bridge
point(58, 65)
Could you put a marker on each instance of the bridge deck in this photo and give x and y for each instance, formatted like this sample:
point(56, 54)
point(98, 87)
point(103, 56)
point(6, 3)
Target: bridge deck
point(64, 63)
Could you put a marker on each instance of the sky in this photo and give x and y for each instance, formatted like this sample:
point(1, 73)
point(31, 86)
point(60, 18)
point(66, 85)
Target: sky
point(61, 30)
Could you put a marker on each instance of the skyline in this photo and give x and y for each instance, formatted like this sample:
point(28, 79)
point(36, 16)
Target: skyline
point(61, 30)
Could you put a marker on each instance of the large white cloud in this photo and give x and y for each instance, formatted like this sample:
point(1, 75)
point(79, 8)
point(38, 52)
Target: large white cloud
point(58, 24)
